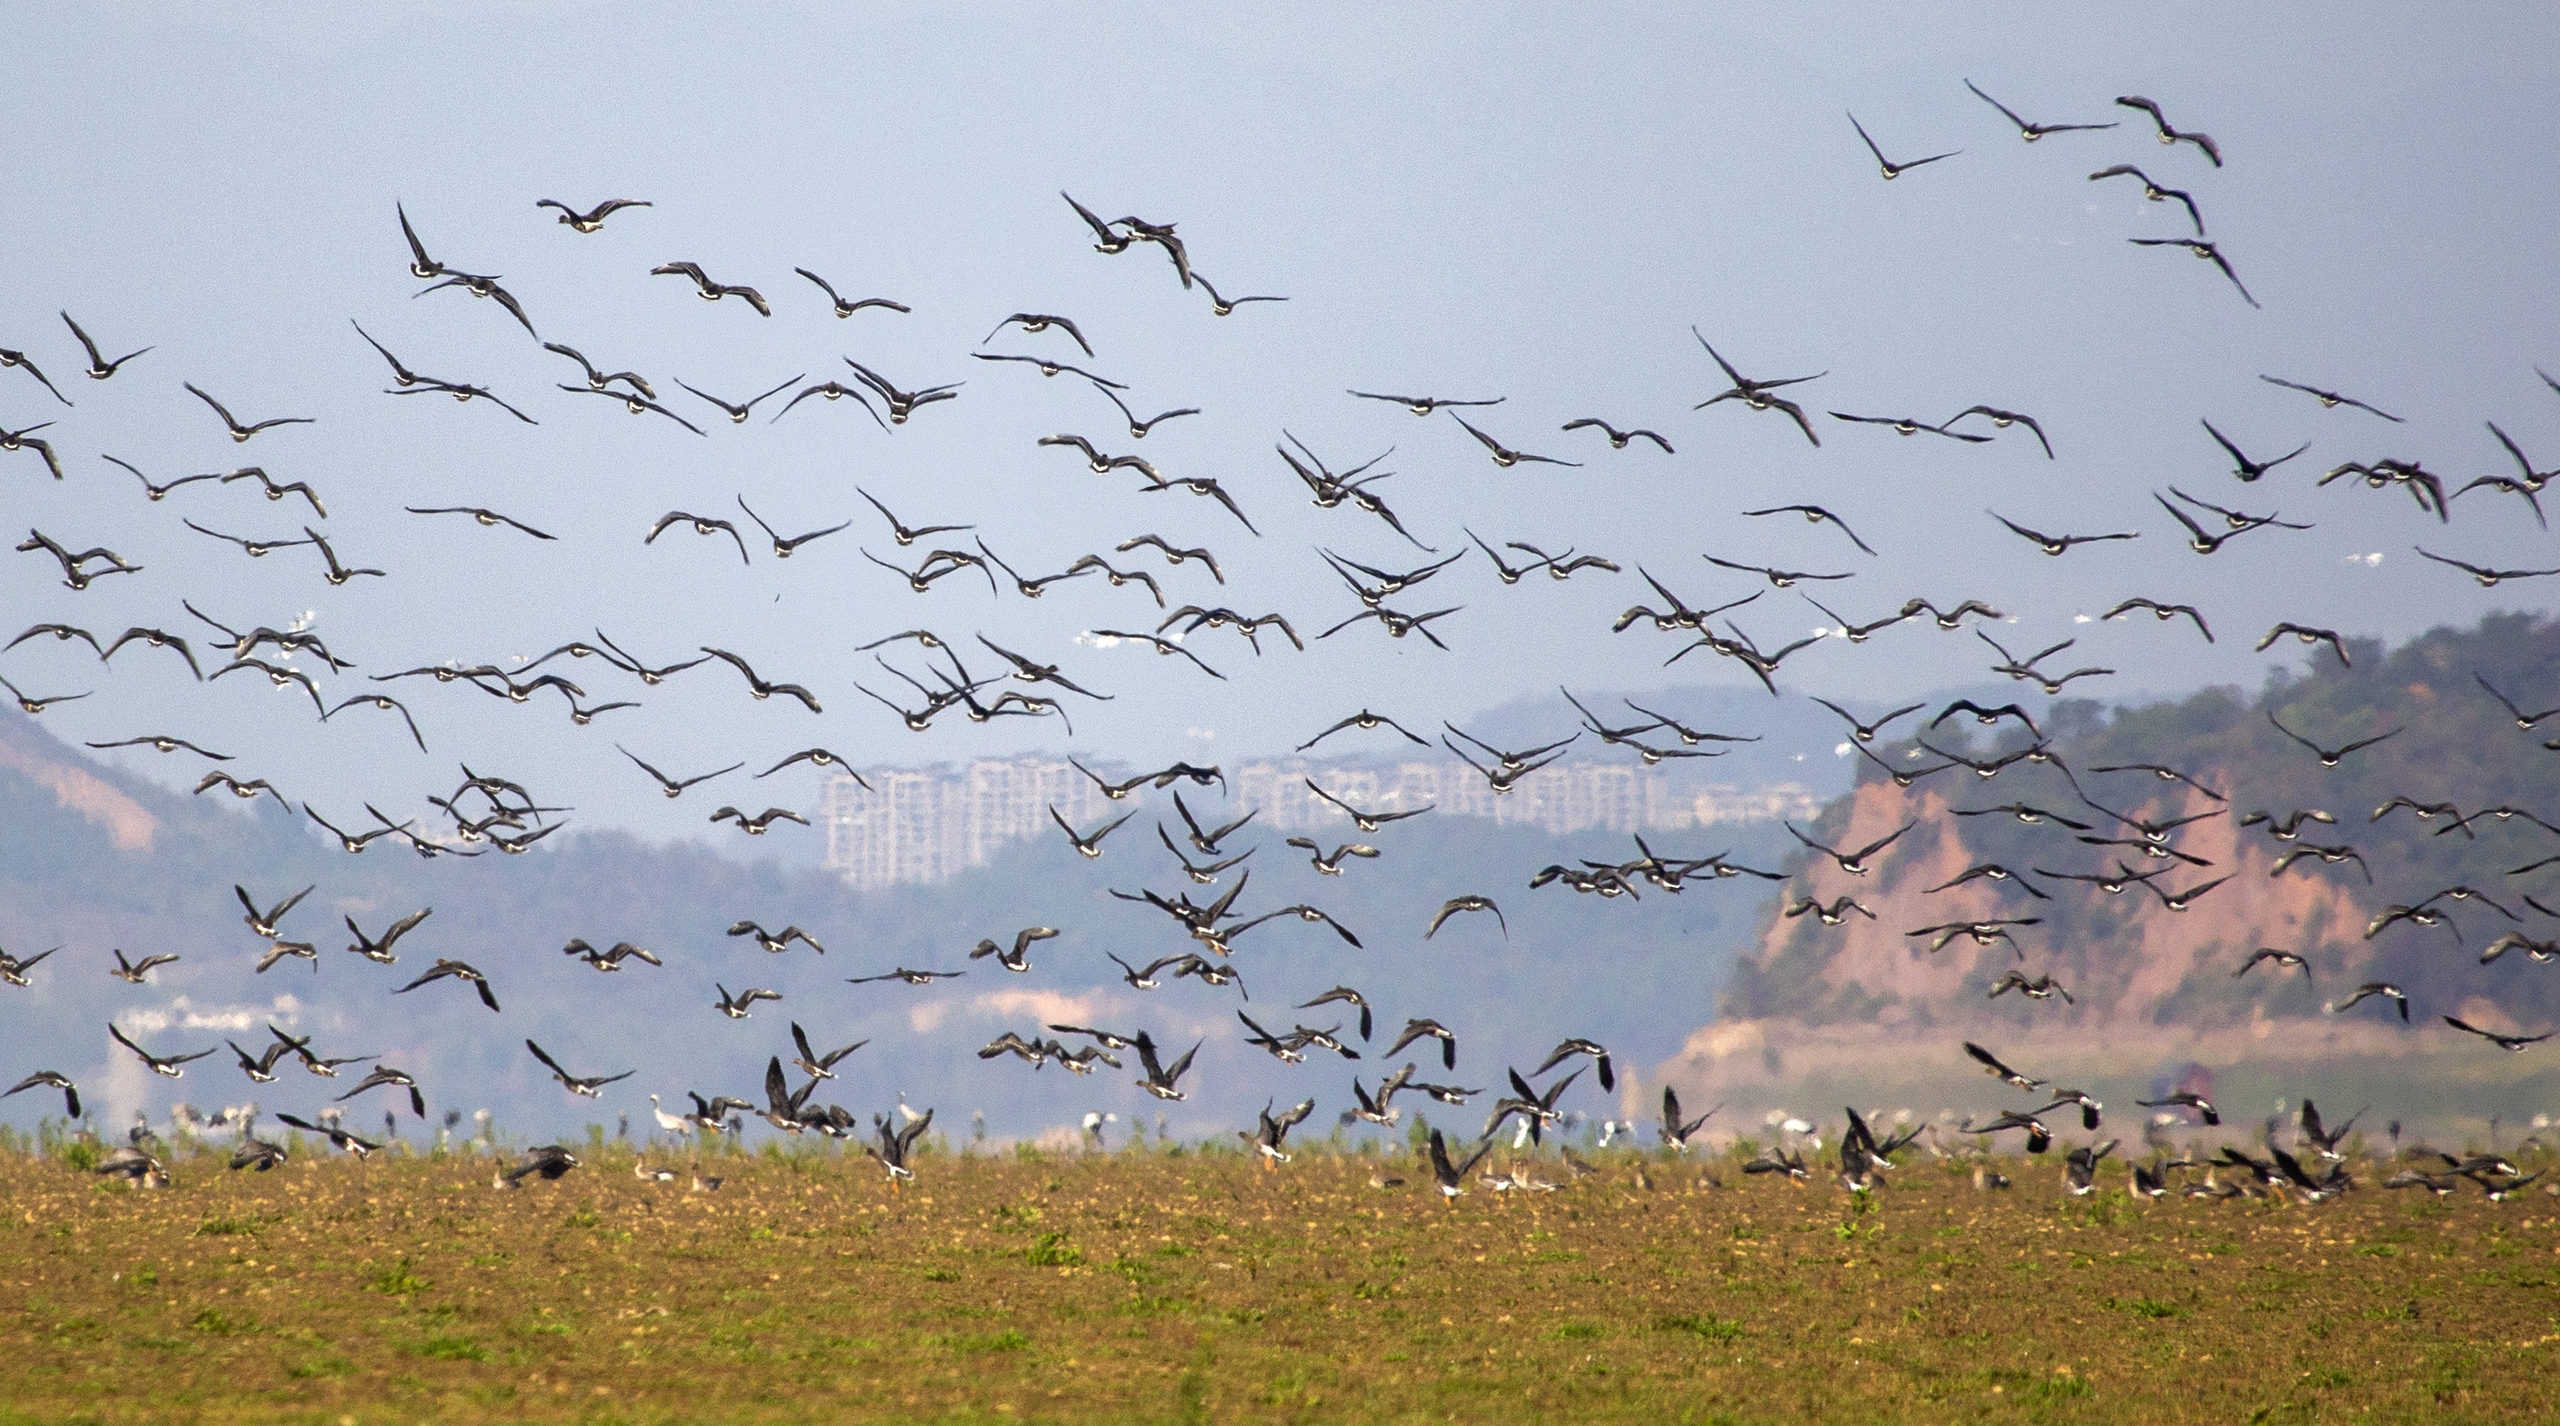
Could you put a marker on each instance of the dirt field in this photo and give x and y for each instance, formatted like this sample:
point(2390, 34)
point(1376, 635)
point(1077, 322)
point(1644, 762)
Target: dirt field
point(1189, 1287)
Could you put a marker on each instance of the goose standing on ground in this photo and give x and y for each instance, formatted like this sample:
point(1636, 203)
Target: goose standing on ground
point(669, 1123)
point(550, 1161)
point(136, 1167)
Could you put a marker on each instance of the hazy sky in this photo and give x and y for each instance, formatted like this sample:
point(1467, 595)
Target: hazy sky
point(1466, 203)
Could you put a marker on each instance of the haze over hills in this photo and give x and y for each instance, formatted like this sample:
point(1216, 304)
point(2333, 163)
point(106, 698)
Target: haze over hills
point(1734, 1000)
point(107, 860)
point(2008, 341)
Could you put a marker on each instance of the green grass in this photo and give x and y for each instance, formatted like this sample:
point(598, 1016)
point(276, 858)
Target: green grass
point(1151, 1287)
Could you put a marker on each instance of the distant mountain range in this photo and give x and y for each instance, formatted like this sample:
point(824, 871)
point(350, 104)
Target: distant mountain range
point(101, 860)
point(1713, 985)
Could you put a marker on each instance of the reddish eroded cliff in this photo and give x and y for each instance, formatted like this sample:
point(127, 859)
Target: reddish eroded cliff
point(2125, 957)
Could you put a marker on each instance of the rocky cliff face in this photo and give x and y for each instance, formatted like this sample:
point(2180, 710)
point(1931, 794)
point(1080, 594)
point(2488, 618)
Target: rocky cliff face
point(1814, 1012)
point(2126, 957)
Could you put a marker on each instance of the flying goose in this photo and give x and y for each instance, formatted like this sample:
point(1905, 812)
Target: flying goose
point(1536, 1108)
point(1991, 1065)
point(2510, 1043)
point(815, 1065)
point(1676, 1130)
point(51, 1079)
point(457, 970)
point(895, 1145)
point(589, 1087)
point(1854, 863)
point(608, 960)
point(735, 1006)
point(1572, 1047)
point(593, 219)
point(384, 1074)
point(1160, 1080)
point(1379, 1109)
point(339, 1138)
point(170, 1067)
point(1458, 904)
point(1890, 169)
point(132, 972)
point(1266, 1136)
point(911, 977)
point(1345, 995)
point(1448, 1177)
point(379, 951)
point(2039, 1138)
point(1019, 958)
point(2171, 135)
point(14, 970)
point(776, 942)
point(1427, 1029)
point(2080, 1168)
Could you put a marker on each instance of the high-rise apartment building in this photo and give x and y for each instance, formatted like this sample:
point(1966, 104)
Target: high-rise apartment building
point(920, 825)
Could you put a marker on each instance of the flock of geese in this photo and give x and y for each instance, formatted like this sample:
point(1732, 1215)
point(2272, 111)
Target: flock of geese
point(934, 680)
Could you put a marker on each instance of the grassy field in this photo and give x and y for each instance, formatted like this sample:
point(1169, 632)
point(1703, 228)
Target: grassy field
point(1158, 1286)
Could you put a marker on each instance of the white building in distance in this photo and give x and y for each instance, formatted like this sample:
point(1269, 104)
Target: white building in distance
point(923, 825)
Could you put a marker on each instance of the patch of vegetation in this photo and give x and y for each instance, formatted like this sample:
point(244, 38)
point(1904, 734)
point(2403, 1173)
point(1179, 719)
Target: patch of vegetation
point(1300, 1294)
point(1052, 1250)
point(396, 1280)
point(1708, 1325)
point(2151, 1308)
point(1008, 1340)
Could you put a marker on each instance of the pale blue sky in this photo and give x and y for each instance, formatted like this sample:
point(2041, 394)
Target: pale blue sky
point(1457, 202)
